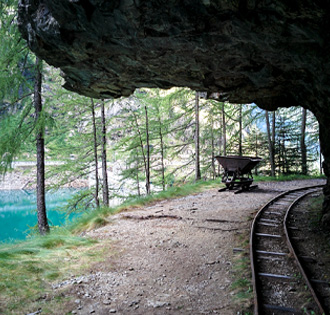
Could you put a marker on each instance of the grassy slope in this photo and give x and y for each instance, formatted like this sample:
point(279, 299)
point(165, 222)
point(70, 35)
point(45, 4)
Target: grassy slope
point(28, 268)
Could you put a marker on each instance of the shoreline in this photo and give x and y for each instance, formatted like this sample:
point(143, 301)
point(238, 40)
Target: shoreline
point(25, 178)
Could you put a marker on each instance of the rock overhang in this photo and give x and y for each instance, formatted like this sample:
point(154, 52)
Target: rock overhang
point(273, 53)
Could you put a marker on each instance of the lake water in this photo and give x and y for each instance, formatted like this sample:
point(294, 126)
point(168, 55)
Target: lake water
point(18, 211)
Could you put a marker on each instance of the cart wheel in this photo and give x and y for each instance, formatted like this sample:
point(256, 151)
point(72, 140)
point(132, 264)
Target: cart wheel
point(246, 186)
point(230, 186)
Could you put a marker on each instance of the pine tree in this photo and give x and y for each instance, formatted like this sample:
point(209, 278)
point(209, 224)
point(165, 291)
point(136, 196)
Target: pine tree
point(271, 143)
point(303, 148)
point(197, 148)
point(16, 87)
point(96, 194)
point(40, 145)
point(104, 158)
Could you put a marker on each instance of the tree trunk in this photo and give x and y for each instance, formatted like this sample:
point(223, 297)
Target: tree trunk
point(104, 159)
point(240, 150)
point(197, 160)
point(256, 150)
point(270, 144)
point(142, 149)
point(161, 151)
point(137, 174)
point(303, 144)
point(219, 142)
point(96, 195)
point(273, 134)
point(320, 161)
point(285, 159)
point(212, 145)
point(273, 140)
point(40, 144)
point(148, 153)
point(224, 136)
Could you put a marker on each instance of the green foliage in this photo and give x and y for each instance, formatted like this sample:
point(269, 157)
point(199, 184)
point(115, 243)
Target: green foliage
point(80, 202)
point(287, 177)
point(15, 86)
point(287, 146)
point(15, 59)
point(15, 130)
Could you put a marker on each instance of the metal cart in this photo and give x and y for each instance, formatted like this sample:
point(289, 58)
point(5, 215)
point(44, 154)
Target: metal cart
point(237, 171)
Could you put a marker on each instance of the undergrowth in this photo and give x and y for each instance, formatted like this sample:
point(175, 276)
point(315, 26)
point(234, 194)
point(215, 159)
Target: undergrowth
point(97, 218)
point(242, 285)
point(315, 206)
point(27, 268)
point(259, 178)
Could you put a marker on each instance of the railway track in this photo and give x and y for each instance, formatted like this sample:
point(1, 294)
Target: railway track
point(280, 283)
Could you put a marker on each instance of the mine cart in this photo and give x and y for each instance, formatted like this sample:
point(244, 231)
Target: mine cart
point(237, 171)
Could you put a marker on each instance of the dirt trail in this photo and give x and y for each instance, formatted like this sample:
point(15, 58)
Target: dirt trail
point(174, 257)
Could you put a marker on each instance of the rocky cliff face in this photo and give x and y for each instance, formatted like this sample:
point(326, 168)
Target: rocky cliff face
point(273, 53)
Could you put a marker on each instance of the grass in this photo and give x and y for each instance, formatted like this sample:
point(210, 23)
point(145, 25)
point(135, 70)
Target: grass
point(100, 217)
point(27, 268)
point(242, 285)
point(241, 273)
point(258, 178)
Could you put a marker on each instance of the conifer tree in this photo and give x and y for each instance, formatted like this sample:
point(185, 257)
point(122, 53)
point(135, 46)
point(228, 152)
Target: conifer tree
point(271, 142)
point(96, 194)
point(224, 131)
point(16, 87)
point(303, 143)
point(104, 158)
point(40, 145)
point(197, 148)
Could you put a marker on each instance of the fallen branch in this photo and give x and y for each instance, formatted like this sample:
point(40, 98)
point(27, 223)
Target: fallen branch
point(223, 221)
point(151, 217)
point(217, 229)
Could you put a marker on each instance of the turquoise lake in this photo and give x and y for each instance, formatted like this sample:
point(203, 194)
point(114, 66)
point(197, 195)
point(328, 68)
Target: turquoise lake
point(18, 211)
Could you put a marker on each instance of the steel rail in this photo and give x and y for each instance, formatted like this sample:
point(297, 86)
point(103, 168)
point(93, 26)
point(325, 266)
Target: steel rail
point(252, 236)
point(293, 252)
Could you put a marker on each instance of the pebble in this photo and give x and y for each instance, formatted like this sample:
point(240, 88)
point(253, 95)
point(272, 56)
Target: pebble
point(211, 262)
point(157, 304)
point(112, 311)
point(134, 303)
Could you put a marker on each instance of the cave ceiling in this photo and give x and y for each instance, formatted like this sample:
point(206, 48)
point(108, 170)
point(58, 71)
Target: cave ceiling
point(273, 53)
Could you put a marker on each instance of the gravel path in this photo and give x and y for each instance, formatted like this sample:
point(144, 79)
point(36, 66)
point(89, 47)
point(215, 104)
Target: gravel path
point(174, 257)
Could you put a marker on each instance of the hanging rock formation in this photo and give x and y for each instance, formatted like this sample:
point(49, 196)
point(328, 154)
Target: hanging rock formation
point(273, 53)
